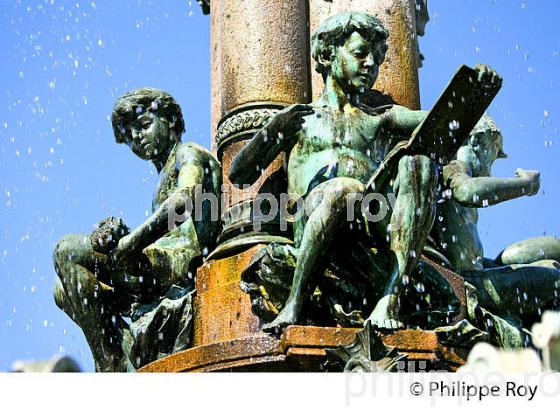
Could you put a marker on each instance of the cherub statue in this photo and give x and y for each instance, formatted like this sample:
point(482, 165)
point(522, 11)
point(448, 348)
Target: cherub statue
point(525, 276)
point(145, 275)
point(334, 146)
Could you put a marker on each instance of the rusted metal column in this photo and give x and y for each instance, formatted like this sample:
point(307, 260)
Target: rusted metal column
point(216, 85)
point(260, 64)
point(398, 75)
point(262, 49)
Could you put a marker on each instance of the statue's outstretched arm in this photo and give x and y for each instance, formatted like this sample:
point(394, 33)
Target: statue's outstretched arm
point(479, 192)
point(279, 134)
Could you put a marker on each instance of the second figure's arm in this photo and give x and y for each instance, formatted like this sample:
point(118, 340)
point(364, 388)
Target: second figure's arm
point(478, 192)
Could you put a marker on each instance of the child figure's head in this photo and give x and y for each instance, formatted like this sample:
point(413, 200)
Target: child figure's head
point(483, 147)
point(350, 47)
point(149, 121)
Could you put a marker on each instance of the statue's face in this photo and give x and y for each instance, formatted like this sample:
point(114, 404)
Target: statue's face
point(149, 136)
point(355, 65)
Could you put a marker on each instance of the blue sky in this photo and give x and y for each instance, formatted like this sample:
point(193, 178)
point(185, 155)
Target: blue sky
point(65, 62)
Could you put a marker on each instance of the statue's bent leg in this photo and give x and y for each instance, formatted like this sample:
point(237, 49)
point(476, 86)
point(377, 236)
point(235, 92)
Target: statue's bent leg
point(410, 223)
point(88, 301)
point(530, 250)
point(521, 290)
point(546, 263)
point(326, 206)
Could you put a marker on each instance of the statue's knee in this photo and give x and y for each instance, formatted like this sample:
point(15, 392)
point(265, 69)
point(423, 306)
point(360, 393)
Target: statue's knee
point(63, 250)
point(416, 163)
point(338, 191)
point(418, 168)
point(61, 255)
point(343, 187)
point(350, 193)
point(59, 294)
point(353, 187)
point(71, 248)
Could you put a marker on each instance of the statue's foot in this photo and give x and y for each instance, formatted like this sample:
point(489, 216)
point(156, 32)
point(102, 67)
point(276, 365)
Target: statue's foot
point(384, 315)
point(285, 318)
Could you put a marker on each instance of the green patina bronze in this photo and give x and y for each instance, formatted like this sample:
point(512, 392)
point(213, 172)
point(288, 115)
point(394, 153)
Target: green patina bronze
point(334, 147)
point(131, 291)
point(146, 275)
point(524, 279)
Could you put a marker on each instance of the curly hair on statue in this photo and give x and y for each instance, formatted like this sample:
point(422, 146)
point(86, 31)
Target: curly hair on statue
point(334, 32)
point(135, 102)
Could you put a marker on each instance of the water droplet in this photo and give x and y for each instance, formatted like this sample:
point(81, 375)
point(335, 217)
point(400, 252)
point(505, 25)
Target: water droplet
point(454, 125)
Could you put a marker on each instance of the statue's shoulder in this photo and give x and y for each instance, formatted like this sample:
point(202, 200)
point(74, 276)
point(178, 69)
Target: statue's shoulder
point(191, 151)
point(455, 169)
